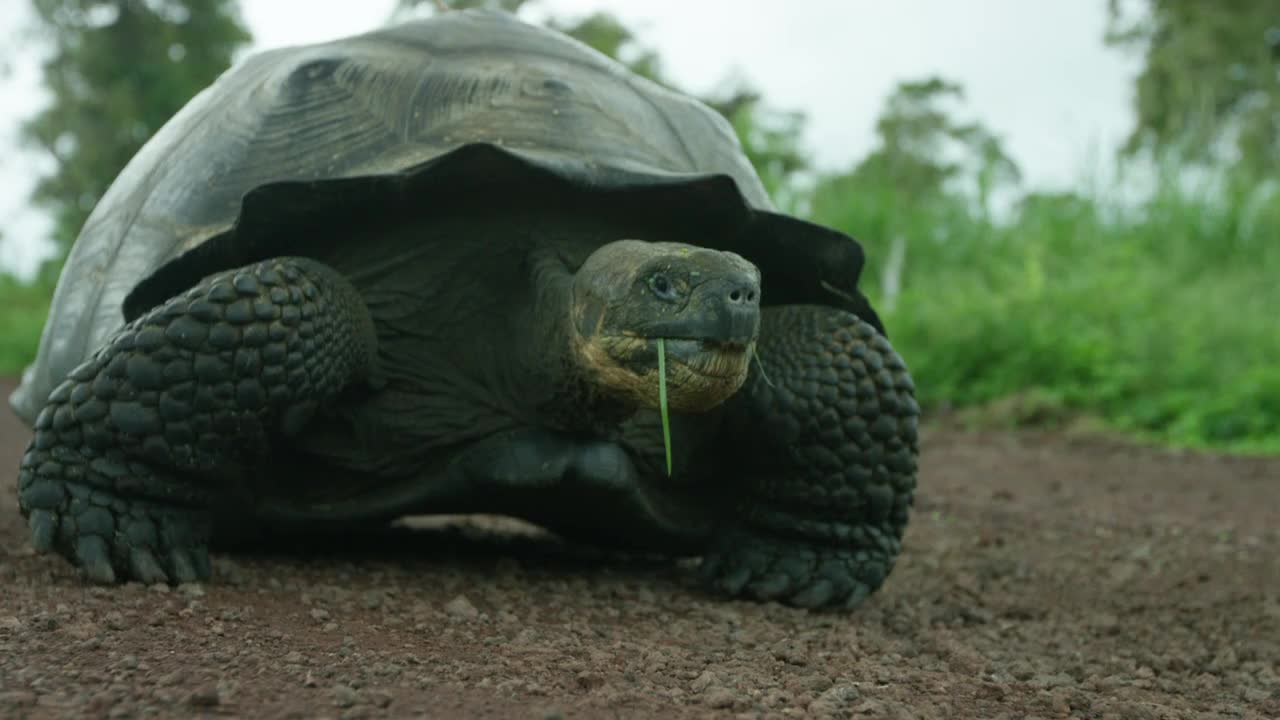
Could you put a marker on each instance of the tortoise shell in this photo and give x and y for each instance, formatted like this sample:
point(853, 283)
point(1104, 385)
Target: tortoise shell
point(476, 100)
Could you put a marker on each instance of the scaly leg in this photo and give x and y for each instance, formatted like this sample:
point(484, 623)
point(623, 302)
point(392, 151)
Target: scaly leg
point(131, 449)
point(823, 445)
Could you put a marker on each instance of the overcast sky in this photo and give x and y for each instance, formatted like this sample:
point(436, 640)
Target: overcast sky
point(1035, 71)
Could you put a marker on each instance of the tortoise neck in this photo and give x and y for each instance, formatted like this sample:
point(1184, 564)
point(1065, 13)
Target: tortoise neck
point(571, 402)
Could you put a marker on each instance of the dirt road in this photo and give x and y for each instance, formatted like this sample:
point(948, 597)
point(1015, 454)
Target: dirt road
point(1042, 577)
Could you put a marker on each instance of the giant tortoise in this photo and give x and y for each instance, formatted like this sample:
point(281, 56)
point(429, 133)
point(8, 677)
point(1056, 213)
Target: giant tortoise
point(464, 265)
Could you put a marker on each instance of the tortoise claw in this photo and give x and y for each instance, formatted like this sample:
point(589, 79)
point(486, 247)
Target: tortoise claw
point(806, 575)
point(816, 595)
point(770, 587)
point(200, 560)
point(44, 529)
point(144, 566)
point(183, 570)
point(94, 557)
point(733, 581)
point(114, 539)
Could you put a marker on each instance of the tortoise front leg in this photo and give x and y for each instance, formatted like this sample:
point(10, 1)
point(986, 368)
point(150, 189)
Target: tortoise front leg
point(128, 452)
point(825, 442)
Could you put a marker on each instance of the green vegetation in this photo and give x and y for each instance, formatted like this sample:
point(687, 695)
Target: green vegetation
point(1156, 318)
point(116, 71)
point(22, 310)
point(1159, 320)
point(1210, 85)
point(119, 69)
point(662, 400)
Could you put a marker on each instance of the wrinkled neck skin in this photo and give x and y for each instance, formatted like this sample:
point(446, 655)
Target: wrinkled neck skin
point(571, 402)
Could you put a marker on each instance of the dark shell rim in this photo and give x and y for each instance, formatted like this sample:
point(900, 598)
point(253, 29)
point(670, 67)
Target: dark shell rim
point(823, 264)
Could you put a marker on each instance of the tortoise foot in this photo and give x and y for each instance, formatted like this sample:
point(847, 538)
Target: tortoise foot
point(115, 539)
point(178, 409)
point(823, 452)
point(758, 567)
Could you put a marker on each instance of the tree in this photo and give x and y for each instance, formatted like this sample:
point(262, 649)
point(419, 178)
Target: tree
point(921, 149)
point(607, 34)
point(770, 137)
point(910, 186)
point(118, 70)
point(1210, 87)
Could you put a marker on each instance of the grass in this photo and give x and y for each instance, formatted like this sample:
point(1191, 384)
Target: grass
point(662, 400)
point(22, 311)
point(1160, 321)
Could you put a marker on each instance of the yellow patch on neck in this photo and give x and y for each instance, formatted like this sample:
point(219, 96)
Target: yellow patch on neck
point(690, 388)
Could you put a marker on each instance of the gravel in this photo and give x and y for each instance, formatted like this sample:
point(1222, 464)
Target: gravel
point(1043, 576)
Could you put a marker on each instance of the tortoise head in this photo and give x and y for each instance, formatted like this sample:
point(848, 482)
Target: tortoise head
point(704, 304)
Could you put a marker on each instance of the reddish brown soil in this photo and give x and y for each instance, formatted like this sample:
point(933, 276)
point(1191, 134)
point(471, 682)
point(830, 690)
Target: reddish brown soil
point(1042, 577)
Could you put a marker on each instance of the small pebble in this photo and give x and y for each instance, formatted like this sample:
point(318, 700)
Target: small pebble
point(461, 607)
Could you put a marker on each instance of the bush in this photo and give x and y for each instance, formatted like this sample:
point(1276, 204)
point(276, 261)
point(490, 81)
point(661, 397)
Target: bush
point(1160, 320)
point(22, 311)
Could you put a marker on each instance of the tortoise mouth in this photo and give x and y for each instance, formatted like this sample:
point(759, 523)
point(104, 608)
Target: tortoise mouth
point(713, 359)
point(701, 373)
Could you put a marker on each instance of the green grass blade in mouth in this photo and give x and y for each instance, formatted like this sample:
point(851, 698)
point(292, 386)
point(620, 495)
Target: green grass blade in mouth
point(756, 356)
point(662, 400)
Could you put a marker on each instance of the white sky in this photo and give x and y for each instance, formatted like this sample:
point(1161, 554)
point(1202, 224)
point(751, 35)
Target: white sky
point(1035, 71)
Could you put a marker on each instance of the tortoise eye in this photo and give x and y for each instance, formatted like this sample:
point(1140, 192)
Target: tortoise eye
point(663, 287)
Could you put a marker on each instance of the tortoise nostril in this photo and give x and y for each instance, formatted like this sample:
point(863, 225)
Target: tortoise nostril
point(743, 294)
point(738, 290)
